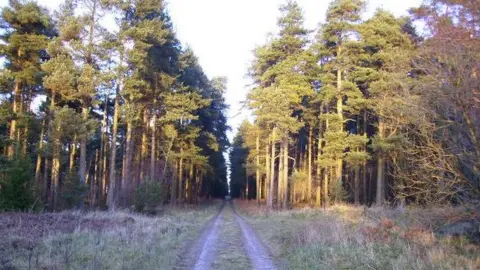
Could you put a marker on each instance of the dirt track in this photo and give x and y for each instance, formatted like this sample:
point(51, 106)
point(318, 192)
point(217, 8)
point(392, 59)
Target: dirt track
point(228, 242)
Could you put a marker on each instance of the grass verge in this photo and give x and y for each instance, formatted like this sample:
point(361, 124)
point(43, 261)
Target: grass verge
point(349, 237)
point(98, 240)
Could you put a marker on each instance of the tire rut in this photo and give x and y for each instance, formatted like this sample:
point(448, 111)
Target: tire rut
point(257, 252)
point(228, 228)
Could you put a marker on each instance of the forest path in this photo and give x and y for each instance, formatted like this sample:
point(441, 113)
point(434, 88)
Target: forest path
point(228, 242)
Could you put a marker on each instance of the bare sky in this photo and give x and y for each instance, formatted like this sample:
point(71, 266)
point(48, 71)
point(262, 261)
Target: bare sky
point(223, 34)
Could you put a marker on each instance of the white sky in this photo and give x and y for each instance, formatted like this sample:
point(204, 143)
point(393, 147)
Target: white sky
point(223, 34)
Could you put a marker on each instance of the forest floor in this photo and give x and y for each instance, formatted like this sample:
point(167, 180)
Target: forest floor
point(350, 237)
point(100, 240)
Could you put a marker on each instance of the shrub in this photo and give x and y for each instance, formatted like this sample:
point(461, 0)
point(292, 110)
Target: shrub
point(149, 195)
point(16, 184)
point(73, 191)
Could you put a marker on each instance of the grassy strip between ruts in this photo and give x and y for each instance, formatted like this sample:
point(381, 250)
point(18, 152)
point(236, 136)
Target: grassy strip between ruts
point(349, 237)
point(231, 253)
point(99, 240)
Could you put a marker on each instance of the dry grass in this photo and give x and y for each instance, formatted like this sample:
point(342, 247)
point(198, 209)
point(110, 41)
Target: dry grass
point(231, 253)
point(348, 237)
point(99, 240)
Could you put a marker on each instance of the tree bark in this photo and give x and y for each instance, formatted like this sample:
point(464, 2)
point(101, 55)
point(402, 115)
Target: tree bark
point(309, 163)
point(285, 173)
point(257, 176)
point(83, 155)
point(280, 177)
point(364, 169)
point(13, 123)
point(380, 168)
point(103, 147)
point(339, 167)
point(73, 149)
point(267, 170)
point(357, 186)
point(111, 199)
point(319, 169)
point(127, 170)
point(180, 176)
point(143, 151)
point(38, 166)
point(153, 150)
point(272, 171)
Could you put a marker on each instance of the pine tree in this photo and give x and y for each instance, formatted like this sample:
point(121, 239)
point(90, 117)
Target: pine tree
point(386, 61)
point(336, 42)
point(26, 28)
point(281, 85)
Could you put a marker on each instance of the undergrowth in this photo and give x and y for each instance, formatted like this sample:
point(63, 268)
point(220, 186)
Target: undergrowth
point(99, 240)
point(349, 237)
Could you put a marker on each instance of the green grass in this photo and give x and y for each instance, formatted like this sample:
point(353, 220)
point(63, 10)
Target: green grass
point(138, 242)
point(348, 237)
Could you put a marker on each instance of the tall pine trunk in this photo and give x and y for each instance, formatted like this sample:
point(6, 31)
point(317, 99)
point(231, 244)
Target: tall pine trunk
point(38, 166)
point(309, 164)
point(380, 195)
point(103, 147)
point(16, 112)
point(153, 145)
point(73, 150)
point(143, 151)
point(339, 163)
point(267, 170)
point(180, 176)
point(127, 170)
point(280, 177)
point(285, 173)
point(113, 155)
point(357, 185)
point(257, 175)
point(319, 169)
point(272, 171)
point(83, 155)
point(364, 168)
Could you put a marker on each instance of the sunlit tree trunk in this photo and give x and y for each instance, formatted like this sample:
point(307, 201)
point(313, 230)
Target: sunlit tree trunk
point(103, 147)
point(153, 145)
point(83, 154)
point(267, 170)
point(309, 162)
point(357, 185)
point(272, 171)
point(280, 177)
point(339, 167)
point(127, 170)
point(174, 185)
point(257, 176)
point(73, 150)
point(285, 173)
point(180, 176)
point(111, 195)
point(143, 151)
point(16, 112)
point(380, 195)
point(364, 168)
point(38, 166)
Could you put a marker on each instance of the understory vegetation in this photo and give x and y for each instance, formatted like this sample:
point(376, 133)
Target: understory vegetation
point(355, 237)
point(99, 240)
